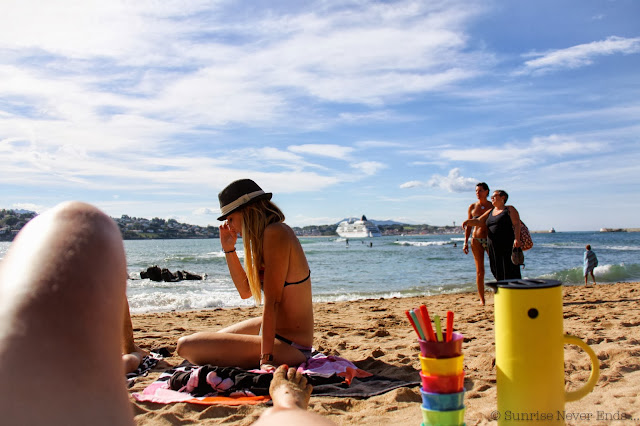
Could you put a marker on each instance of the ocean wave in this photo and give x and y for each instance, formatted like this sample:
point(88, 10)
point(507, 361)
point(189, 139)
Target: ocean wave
point(413, 291)
point(565, 245)
point(423, 243)
point(604, 273)
point(164, 301)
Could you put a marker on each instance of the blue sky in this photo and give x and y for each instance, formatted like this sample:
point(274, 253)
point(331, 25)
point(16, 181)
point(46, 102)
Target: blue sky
point(393, 109)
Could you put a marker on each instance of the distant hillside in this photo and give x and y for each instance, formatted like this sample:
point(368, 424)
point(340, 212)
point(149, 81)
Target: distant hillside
point(132, 228)
point(387, 227)
point(374, 221)
point(386, 222)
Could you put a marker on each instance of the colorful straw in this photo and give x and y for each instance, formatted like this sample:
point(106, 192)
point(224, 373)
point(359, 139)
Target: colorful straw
point(421, 323)
point(449, 326)
point(429, 329)
point(417, 323)
point(436, 319)
point(413, 324)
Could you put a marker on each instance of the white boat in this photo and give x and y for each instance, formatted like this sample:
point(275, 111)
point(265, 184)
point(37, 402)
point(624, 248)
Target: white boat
point(358, 228)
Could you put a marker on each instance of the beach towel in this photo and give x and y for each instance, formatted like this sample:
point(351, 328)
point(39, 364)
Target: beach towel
point(148, 362)
point(590, 262)
point(329, 376)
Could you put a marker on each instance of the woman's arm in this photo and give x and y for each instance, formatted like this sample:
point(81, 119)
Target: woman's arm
point(515, 221)
point(467, 231)
point(481, 221)
point(228, 241)
point(276, 248)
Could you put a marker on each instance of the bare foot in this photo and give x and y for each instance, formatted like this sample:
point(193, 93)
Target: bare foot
point(132, 360)
point(289, 389)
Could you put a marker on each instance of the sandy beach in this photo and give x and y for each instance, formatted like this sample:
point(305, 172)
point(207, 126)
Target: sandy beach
point(376, 336)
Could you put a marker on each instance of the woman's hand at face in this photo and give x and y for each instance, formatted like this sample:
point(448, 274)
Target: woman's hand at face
point(228, 237)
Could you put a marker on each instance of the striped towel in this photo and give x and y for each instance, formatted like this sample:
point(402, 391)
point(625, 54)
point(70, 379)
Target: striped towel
point(590, 261)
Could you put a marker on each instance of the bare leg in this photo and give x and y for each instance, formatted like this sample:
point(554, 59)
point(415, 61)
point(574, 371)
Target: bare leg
point(233, 350)
point(132, 354)
point(478, 257)
point(594, 278)
point(250, 326)
point(62, 291)
point(290, 393)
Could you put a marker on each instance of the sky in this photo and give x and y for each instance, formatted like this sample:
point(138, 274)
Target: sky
point(392, 109)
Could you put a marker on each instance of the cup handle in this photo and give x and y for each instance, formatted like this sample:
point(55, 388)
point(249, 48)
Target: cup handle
point(595, 369)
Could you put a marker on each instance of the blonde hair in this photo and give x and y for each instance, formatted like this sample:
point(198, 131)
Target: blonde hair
point(255, 218)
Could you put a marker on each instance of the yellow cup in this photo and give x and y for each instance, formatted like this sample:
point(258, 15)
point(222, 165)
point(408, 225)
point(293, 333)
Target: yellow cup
point(441, 366)
point(530, 353)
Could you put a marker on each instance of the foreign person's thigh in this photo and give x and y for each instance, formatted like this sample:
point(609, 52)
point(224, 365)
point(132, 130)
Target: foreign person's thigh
point(251, 326)
point(478, 252)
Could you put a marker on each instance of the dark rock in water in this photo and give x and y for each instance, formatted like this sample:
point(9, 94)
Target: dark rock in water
point(186, 275)
point(155, 273)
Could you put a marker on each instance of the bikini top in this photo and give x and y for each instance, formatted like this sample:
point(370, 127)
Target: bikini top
point(261, 272)
point(299, 282)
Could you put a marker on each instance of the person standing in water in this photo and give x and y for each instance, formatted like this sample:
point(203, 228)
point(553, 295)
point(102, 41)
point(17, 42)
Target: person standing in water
point(590, 263)
point(479, 235)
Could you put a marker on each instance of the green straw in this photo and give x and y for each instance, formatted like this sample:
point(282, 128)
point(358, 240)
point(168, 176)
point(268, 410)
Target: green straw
point(415, 320)
point(436, 319)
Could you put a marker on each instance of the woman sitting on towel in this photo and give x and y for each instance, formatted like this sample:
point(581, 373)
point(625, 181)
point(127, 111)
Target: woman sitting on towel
point(275, 266)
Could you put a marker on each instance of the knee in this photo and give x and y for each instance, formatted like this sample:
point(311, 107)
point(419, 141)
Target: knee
point(183, 346)
point(82, 214)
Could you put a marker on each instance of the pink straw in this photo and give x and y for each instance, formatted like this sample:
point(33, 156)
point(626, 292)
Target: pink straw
point(423, 326)
point(429, 329)
point(449, 326)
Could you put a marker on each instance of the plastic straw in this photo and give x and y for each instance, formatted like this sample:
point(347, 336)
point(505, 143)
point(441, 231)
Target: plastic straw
point(429, 329)
point(413, 324)
point(449, 326)
point(421, 323)
point(417, 323)
point(436, 319)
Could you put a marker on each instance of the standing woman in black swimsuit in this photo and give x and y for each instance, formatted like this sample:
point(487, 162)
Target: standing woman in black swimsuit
point(276, 266)
point(503, 232)
point(479, 236)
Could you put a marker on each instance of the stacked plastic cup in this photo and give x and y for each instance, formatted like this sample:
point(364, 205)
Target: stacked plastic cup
point(442, 377)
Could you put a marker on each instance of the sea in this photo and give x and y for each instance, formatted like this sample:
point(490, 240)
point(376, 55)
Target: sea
point(383, 267)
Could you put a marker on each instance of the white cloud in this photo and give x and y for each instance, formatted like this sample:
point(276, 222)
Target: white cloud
point(379, 144)
point(581, 55)
point(29, 206)
point(369, 168)
point(206, 211)
point(453, 182)
point(540, 149)
point(412, 184)
point(323, 150)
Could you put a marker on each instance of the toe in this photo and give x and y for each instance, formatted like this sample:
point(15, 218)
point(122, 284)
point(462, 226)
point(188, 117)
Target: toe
point(281, 372)
point(291, 375)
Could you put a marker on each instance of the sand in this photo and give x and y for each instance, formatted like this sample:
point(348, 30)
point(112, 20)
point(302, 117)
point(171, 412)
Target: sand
point(377, 337)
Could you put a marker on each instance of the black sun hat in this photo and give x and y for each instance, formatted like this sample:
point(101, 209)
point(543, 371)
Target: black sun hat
point(239, 194)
